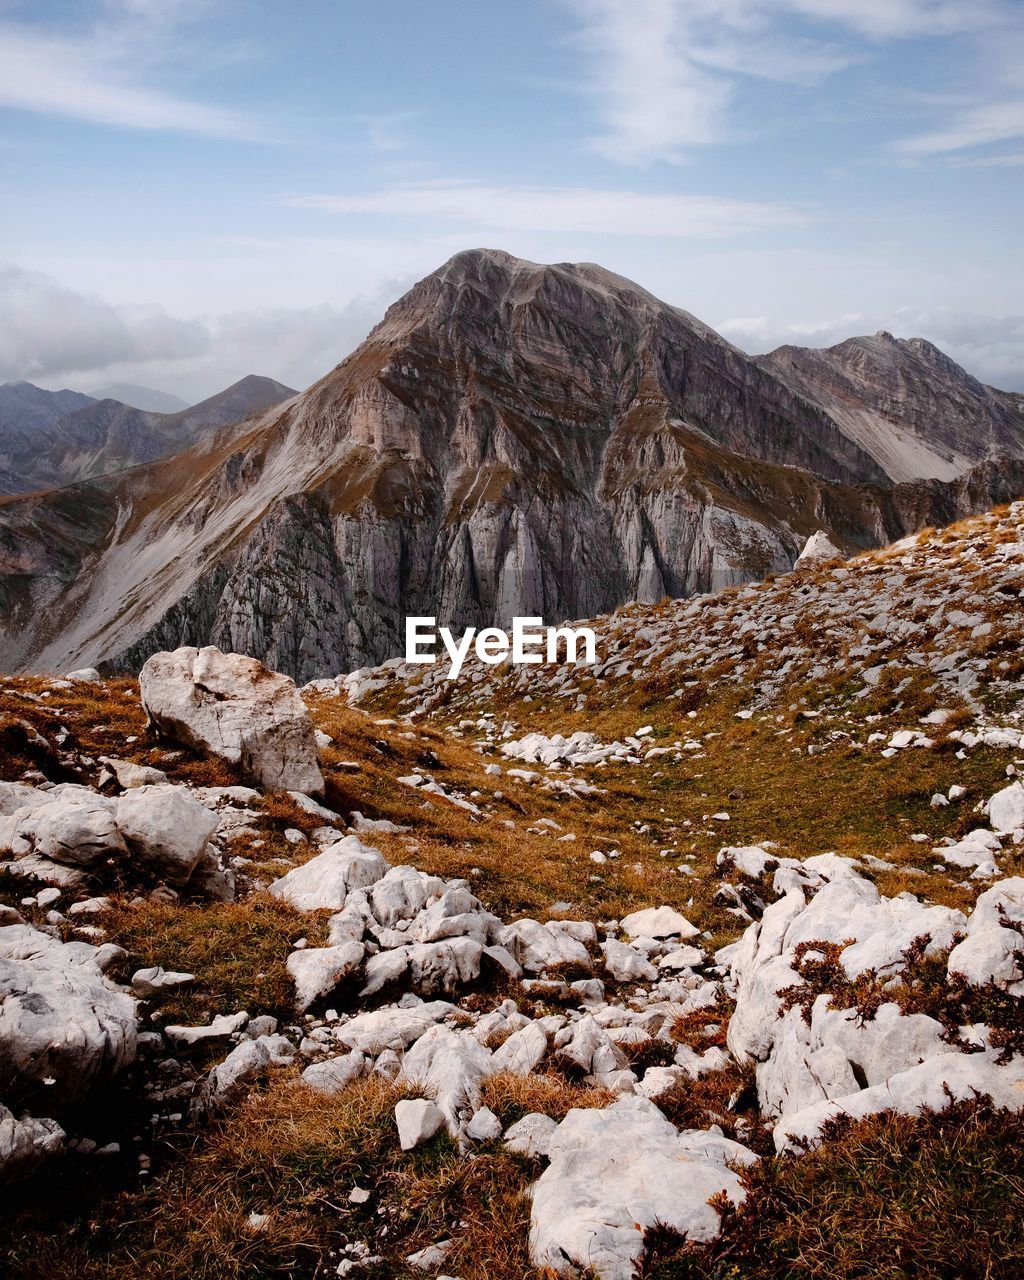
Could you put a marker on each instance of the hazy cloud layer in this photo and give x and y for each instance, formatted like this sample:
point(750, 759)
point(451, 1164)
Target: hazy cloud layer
point(558, 209)
point(57, 336)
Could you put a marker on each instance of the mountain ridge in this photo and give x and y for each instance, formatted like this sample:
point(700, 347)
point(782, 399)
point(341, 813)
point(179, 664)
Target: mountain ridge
point(100, 435)
point(510, 438)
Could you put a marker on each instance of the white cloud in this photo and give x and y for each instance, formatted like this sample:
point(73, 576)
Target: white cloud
point(976, 127)
point(99, 74)
point(898, 19)
point(59, 336)
point(665, 73)
point(46, 329)
point(564, 209)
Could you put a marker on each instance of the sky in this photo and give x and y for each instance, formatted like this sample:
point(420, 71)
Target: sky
point(193, 190)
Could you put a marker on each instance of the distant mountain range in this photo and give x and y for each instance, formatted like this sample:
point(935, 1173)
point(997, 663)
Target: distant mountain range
point(52, 438)
point(510, 439)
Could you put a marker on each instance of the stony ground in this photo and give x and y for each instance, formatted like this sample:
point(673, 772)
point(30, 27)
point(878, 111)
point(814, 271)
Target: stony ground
point(732, 917)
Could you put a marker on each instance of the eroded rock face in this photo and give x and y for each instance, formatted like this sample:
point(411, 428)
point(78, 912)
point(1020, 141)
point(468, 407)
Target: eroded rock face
point(60, 1018)
point(237, 709)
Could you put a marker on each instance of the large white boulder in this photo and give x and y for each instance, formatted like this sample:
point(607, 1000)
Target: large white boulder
point(838, 1053)
point(76, 829)
point(523, 1051)
point(845, 909)
point(316, 971)
point(61, 1020)
point(658, 922)
point(626, 963)
point(818, 547)
point(449, 1068)
point(392, 1028)
point(335, 1074)
point(993, 950)
point(538, 947)
point(236, 708)
point(616, 1173)
point(166, 828)
point(324, 882)
point(19, 795)
point(1006, 808)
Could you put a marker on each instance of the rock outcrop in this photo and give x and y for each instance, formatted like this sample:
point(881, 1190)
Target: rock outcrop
point(64, 1028)
point(235, 708)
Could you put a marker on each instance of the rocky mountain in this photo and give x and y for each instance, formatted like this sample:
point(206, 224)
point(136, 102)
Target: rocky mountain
point(141, 397)
point(912, 408)
point(41, 448)
point(510, 439)
point(26, 413)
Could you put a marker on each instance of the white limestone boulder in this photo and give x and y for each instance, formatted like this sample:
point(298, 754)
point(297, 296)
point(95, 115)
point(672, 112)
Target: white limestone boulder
point(449, 1068)
point(838, 1053)
point(77, 828)
point(417, 1120)
point(166, 828)
point(1006, 808)
point(523, 1052)
point(235, 708)
point(391, 1028)
point(61, 1020)
point(539, 947)
point(324, 882)
point(626, 963)
point(843, 909)
point(531, 1135)
point(336, 1074)
point(316, 971)
point(993, 950)
point(658, 922)
point(244, 1067)
point(619, 1172)
point(930, 1086)
point(26, 1143)
point(818, 548)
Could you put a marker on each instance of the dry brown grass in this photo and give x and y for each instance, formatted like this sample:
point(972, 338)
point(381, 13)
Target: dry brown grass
point(236, 950)
point(293, 1155)
point(889, 1198)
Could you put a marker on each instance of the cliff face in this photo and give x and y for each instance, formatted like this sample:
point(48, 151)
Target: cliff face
point(511, 439)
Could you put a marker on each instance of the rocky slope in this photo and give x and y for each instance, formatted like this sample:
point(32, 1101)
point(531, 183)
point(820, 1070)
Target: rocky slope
point(511, 439)
point(567, 972)
point(49, 439)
